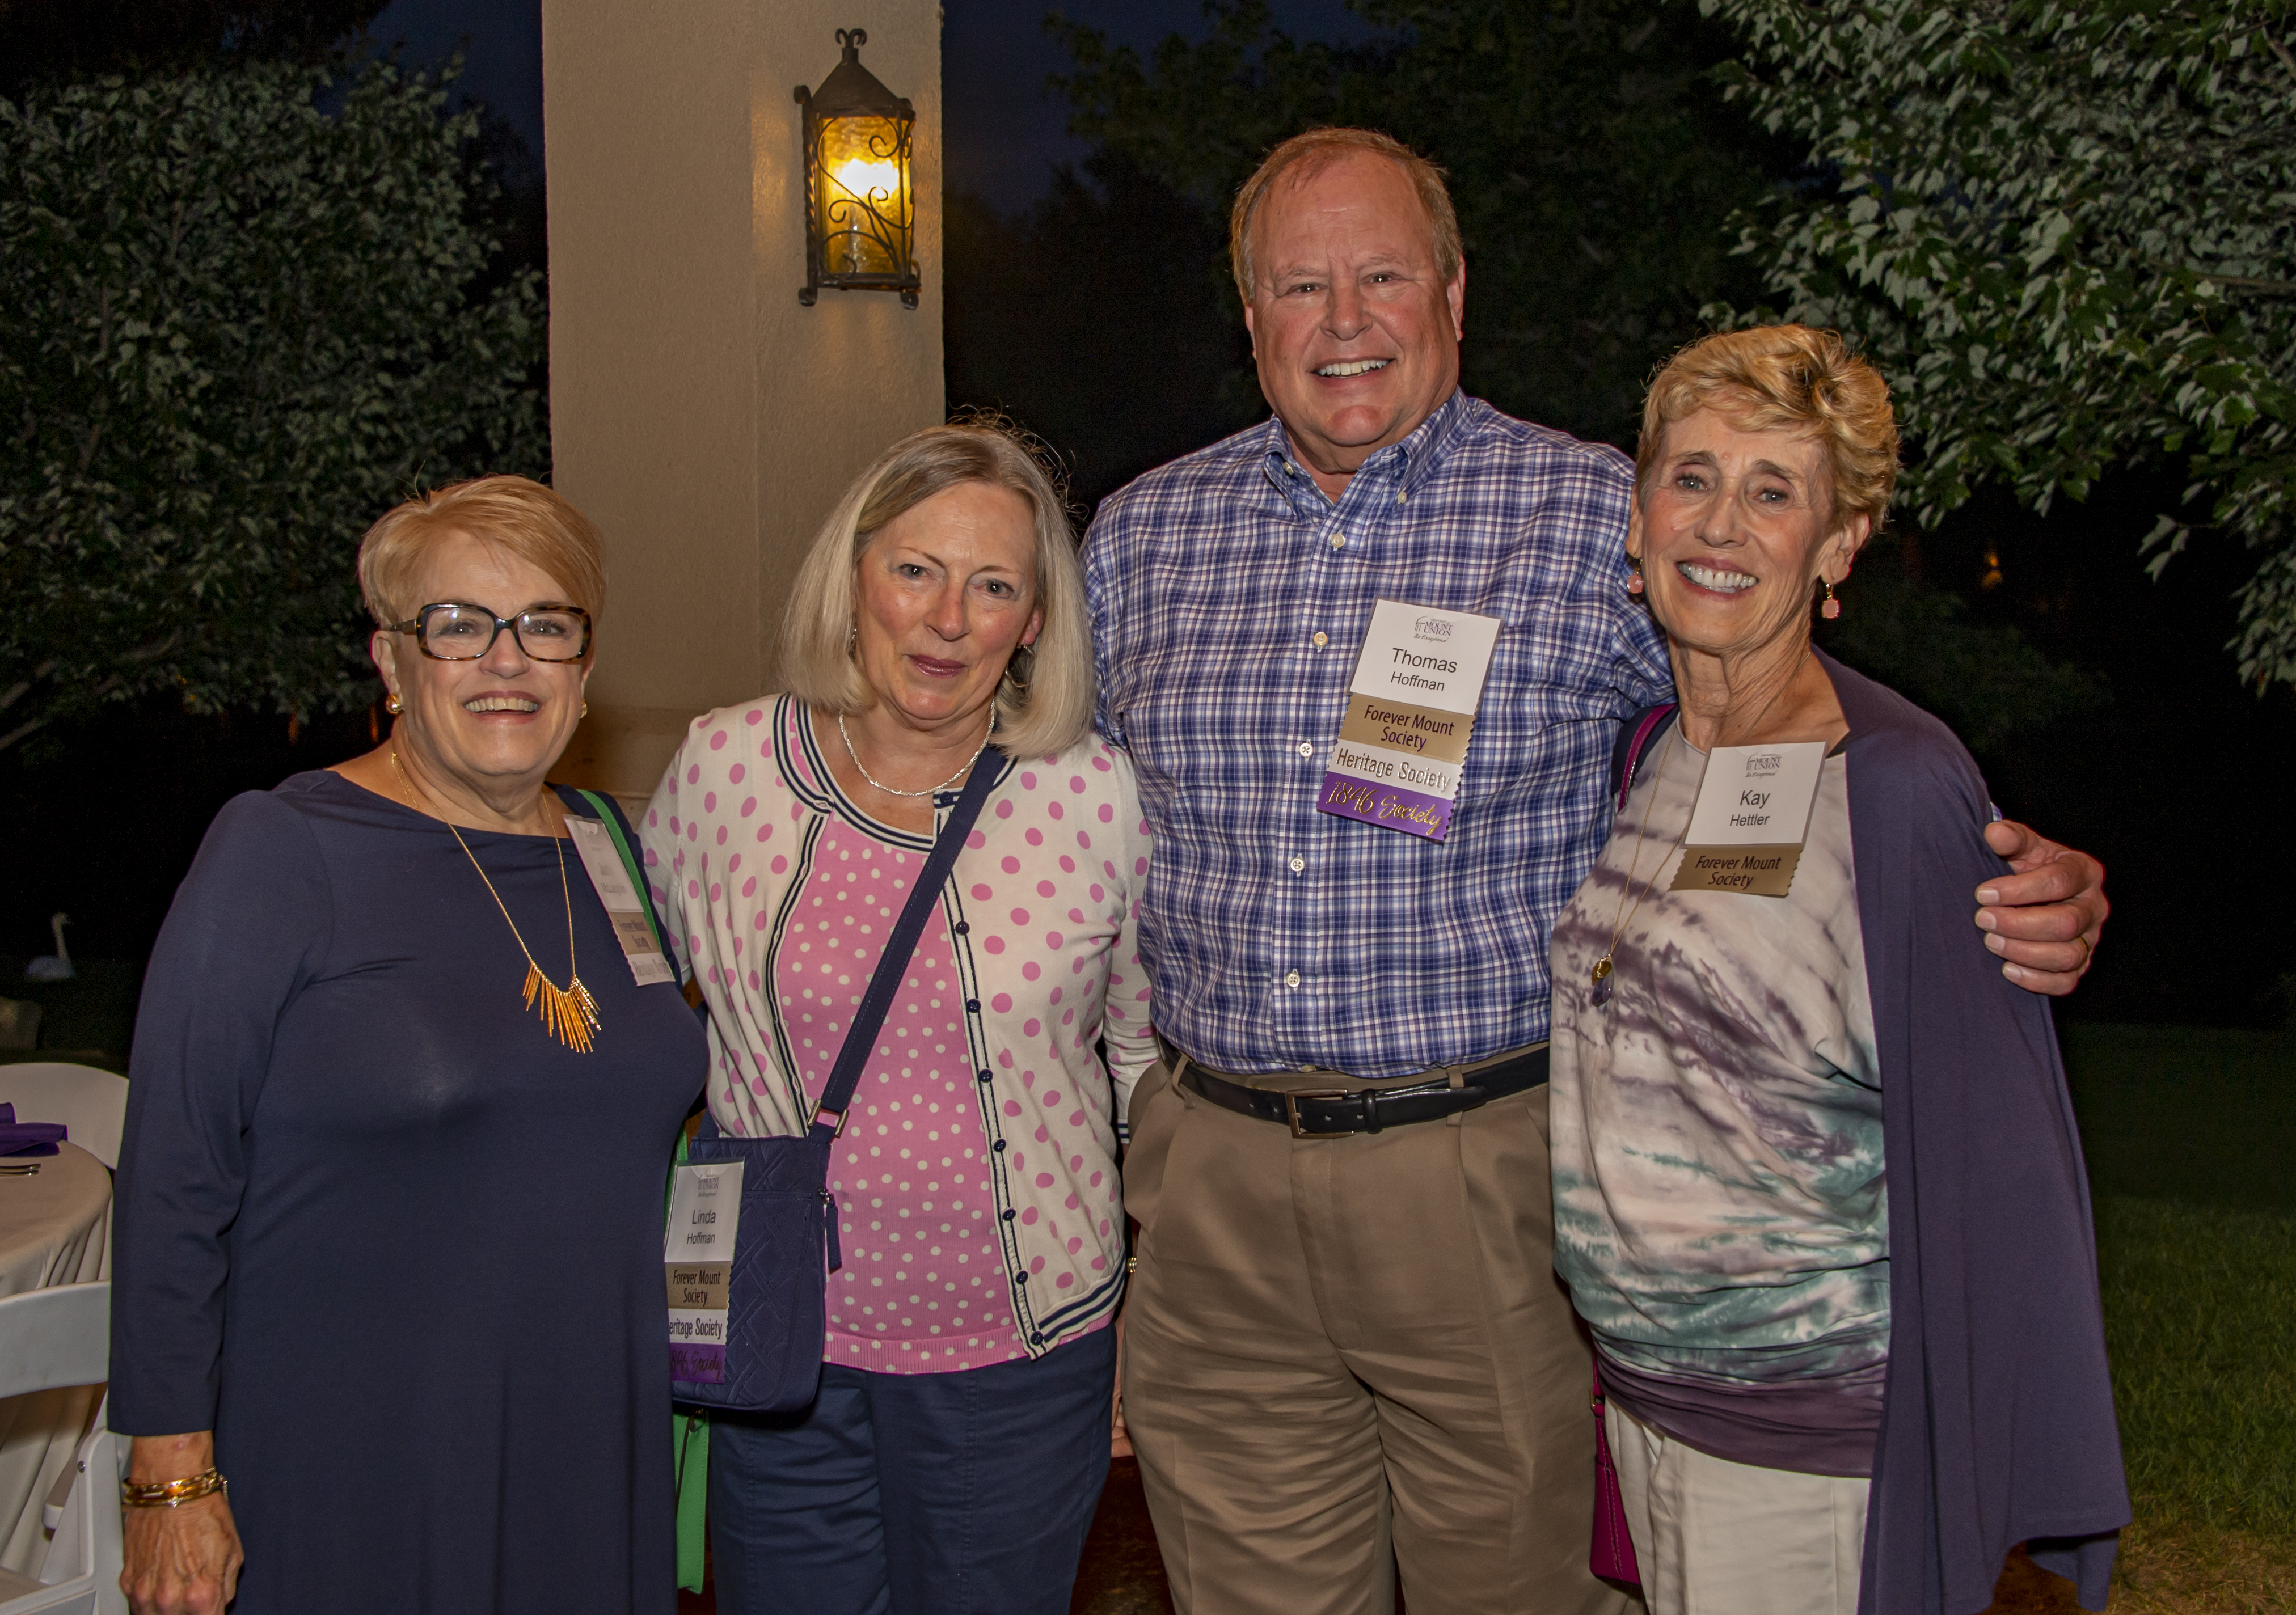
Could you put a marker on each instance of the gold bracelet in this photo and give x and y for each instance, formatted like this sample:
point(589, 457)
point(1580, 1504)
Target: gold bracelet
point(172, 1493)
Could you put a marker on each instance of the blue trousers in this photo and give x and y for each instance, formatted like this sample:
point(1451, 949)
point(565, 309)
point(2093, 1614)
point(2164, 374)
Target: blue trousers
point(934, 1494)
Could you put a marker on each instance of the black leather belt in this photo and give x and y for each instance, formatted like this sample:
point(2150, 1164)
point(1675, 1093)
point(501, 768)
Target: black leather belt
point(1335, 1113)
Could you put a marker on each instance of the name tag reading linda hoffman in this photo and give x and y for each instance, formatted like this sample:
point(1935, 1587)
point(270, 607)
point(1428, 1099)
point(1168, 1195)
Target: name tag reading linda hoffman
point(1752, 816)
point(1411, 710)
point(705, 1216)
point(621, 901)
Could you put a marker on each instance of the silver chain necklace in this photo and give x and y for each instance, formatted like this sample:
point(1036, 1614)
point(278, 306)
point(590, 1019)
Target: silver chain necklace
point(928, 791)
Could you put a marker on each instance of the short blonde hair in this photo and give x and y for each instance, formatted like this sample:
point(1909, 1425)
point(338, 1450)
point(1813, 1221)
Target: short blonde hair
point(1319, 149)
point(521, 515)
point(1052, 708)
point(1790, 378)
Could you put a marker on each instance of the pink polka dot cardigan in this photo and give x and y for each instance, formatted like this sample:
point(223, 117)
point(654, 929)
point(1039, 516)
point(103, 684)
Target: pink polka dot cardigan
point(978, 1202)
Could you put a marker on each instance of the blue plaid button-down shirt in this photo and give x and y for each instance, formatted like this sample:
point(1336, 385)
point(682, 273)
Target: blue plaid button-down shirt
point(1229, 599)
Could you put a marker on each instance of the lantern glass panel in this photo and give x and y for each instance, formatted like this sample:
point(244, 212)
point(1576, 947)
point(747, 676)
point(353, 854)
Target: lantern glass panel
point(861, 175)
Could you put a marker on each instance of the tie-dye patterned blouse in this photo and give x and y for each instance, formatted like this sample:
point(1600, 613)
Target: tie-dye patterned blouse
point(1719, 1201)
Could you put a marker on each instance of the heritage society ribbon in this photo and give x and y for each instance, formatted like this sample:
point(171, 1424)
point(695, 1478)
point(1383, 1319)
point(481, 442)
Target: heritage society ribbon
point(705, 1216)
point(1411, 710)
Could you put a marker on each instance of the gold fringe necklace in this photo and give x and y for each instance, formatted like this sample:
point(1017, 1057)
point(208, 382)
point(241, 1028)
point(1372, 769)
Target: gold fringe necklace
point(568, 1012)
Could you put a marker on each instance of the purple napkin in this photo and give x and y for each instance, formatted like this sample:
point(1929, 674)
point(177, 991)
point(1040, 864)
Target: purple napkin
point(27, 1137)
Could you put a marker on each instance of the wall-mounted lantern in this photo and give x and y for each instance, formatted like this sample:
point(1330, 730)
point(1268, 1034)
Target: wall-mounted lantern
point(861, 211)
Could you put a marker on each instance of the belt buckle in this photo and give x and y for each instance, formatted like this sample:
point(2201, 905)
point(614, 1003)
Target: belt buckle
point(1291, 1112)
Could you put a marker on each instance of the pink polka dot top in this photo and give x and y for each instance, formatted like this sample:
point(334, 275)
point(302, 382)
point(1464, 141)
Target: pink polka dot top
point(924, 1285)
point(978, 1209)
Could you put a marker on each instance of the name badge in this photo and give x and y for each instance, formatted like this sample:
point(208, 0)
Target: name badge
point(1402, 748)
point(623, 906)
point(1752, 816)
point(705, 1217)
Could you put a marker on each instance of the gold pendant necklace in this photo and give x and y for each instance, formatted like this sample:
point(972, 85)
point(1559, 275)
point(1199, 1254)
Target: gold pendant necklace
point(568, 1013)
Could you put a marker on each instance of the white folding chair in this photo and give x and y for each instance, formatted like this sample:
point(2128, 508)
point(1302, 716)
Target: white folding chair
point(50, 1339)
point(92, 1104)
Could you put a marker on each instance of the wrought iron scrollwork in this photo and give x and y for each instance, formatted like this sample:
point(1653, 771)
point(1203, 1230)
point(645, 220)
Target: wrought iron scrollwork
point(860, 220)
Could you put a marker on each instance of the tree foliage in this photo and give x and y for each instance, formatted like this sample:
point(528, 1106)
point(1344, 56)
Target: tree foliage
point(2067, 232)
point(1986, 680)
point(239, 329)
point(1071, 319)
point(1593, 169)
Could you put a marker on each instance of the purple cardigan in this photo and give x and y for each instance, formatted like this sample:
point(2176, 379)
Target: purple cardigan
point(1997, 1424)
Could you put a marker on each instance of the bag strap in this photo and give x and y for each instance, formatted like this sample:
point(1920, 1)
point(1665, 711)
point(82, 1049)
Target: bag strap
point(837, 1094)
point(1626, 755)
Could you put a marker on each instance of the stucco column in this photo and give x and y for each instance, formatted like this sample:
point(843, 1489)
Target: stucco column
point(702, 417)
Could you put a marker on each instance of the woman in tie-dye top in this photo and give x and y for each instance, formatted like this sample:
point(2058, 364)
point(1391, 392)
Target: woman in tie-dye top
point(1785, 1333)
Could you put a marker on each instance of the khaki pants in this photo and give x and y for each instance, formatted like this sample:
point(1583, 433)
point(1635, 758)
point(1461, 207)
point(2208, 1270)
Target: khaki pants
point(1349, 1356)
point(1714, 1537)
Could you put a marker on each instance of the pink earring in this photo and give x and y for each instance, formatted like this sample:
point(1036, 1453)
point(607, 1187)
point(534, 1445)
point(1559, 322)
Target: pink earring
point(1833, 606)
point(1633, 574)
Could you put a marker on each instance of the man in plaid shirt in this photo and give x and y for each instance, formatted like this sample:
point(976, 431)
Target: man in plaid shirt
point(1347, 1347)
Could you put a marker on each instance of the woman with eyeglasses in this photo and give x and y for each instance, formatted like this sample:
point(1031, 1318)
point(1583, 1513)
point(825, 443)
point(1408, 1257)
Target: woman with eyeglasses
point(389, 1201)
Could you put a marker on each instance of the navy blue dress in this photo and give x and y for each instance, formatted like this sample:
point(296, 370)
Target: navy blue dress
point(397, 1246)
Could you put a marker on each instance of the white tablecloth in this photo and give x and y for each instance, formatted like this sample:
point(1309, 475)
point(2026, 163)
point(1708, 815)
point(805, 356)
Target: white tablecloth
point(55, 1228)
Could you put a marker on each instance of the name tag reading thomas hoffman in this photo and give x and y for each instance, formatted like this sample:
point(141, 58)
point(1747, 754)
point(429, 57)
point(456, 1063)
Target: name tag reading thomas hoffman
point(1752, 816)
point(1411, 710)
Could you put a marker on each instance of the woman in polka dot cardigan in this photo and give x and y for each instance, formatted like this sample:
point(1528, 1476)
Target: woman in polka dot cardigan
point(959, 1441)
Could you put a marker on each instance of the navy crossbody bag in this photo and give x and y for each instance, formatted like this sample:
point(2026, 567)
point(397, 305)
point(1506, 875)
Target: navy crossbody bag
point(785, 1245)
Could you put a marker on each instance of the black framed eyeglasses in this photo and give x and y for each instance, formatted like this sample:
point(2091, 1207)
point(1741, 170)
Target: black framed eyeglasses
point(452, 631)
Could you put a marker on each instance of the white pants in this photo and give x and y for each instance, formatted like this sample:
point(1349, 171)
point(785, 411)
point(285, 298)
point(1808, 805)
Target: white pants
point(1714, 1537)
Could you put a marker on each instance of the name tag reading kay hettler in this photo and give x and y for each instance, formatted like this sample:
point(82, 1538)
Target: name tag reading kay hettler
point(705, 1216)
point(1752, 816)
point(1411, 709)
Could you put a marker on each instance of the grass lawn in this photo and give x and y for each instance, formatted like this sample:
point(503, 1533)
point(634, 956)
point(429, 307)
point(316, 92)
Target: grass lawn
point(2190, 1139)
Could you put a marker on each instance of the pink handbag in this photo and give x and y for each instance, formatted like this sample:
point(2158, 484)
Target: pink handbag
point(1612, 1554)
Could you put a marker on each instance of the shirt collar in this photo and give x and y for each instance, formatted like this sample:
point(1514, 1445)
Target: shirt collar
point(1399, 468)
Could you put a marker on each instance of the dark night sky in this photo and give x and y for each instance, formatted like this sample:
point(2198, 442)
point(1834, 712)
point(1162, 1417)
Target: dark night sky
point(502, 45)
point(1004, 131)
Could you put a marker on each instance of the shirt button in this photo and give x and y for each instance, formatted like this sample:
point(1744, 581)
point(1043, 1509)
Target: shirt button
point(973, 1006)
point(1307, 747)
point(1339, 541)
point(1321, 639)
point(1291, 979)
point(1298, 864)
